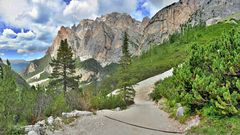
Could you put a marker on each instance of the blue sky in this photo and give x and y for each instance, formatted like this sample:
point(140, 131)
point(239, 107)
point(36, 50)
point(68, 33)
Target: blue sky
point(27, 27)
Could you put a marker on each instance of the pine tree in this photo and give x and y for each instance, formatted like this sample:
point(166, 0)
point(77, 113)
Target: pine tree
point(8, 63)
point(125, 83)
point(1, 72)
point(64, 68)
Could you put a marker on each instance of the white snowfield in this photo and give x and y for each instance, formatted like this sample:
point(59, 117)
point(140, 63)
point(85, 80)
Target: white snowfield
point(37, 76)
point(143, 113)
point(38, 82)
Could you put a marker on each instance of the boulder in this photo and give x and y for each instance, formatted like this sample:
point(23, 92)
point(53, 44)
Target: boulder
point(37, 128)
point(213, 21)
point(50, 120)
point(76, 113)
point(195, 121)
point(114, 93)
point(58, 121)
point(118, 109)
point(180, 110)
point(41, 123)
point(29, 128)
point(32, 133)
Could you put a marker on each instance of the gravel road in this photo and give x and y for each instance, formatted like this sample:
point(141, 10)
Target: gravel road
point(143, 113)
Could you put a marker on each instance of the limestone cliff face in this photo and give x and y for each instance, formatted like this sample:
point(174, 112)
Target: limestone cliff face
point(171, 18)
point(100, 39)
point(211, 11)
point(30, 68)
point(63, 33)
point(167, 21)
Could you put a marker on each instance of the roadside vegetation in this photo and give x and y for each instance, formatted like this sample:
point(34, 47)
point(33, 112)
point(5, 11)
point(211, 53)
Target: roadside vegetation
point(207, 84)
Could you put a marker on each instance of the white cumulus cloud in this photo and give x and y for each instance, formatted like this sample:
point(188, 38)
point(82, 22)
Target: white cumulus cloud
point(8, 33)
point(153, 6)
point(26, 36)
point(81, 9)
point(22, 51)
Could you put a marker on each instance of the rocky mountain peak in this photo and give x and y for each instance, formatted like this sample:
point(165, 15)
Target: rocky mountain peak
point(101, 38)
point(63, 31)
point(120, 20)
point(145, 21)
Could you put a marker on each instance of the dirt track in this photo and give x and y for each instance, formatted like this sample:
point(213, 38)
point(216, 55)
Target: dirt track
point(143, 113)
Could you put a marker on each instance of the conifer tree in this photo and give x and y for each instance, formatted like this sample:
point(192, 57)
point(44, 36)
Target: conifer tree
point(125, 83)
point(8, 63)
point(64, 68)
point(1, 72)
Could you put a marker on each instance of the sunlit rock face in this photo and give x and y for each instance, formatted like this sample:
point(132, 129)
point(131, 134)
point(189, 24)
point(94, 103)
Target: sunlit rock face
point(30, 68)
point(101, 38)
point(215, 10)
point(168, 20)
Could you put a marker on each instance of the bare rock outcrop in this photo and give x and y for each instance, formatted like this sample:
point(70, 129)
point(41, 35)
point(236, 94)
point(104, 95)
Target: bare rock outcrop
point(167, 21)
point(30, 68)
point(215, 10)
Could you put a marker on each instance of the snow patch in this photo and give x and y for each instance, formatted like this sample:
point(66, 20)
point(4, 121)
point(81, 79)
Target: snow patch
point(39, 82)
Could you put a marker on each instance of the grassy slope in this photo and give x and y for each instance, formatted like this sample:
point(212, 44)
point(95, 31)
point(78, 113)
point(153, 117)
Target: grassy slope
point(167, 55)
point(173, 53)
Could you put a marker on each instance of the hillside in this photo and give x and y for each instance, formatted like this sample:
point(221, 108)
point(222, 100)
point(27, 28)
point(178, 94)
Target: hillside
point(21, 83)
point(169, 54)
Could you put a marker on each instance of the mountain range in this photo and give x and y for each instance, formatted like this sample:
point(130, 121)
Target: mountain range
point(101, 39)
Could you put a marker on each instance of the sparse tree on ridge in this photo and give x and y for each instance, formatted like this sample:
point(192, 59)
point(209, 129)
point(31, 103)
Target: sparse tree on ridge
point(8, 63)
point(1, 72)
point(125, 83)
